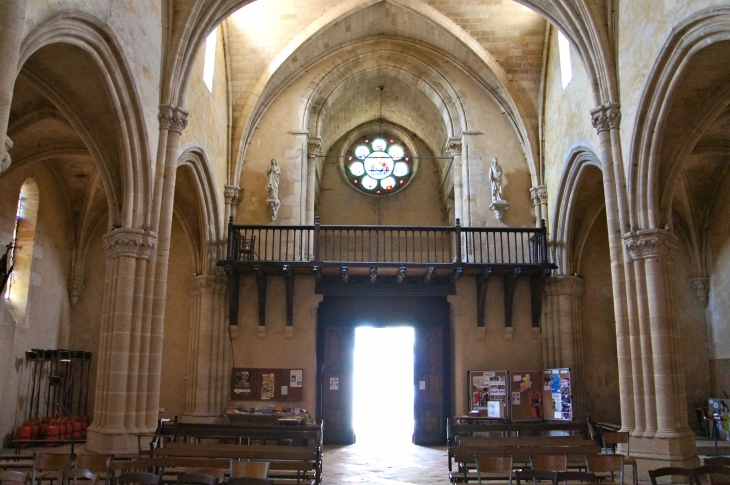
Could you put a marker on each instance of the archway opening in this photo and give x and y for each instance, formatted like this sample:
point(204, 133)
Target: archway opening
point(383, 384)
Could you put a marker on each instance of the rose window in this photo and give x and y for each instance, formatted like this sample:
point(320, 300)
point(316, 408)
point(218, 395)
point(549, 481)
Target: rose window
point(379, 166)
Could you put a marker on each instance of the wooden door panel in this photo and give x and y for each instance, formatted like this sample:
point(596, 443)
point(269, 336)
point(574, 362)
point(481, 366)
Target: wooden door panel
point(430, 386)
point(339, 344)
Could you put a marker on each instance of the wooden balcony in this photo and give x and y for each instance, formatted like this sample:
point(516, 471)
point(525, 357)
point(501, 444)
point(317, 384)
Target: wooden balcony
point(418, 260)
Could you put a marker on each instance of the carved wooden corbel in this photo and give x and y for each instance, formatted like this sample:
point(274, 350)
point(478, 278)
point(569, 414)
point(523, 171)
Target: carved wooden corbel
point(289, 285)
point(261, 279)
point(510, 285)
point(482, 284)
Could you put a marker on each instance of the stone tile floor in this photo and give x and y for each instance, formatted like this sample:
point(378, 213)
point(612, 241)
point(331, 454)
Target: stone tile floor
point(385, 462)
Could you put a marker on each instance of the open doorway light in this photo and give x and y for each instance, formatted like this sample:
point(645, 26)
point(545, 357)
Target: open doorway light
point(383, 384)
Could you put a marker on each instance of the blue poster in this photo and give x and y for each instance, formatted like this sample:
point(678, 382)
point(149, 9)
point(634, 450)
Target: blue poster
point(555, 383)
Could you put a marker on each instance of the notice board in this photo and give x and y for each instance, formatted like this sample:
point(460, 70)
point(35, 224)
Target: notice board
point(557, 394)
point(256, 384)
point(488, 392)
point(526, 395)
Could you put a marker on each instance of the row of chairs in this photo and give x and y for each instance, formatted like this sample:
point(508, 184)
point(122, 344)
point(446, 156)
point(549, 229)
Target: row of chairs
point(602, 466)
point(67, 468)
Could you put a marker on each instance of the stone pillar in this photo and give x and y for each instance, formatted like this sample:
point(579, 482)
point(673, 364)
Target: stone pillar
point(314, 148)
point(562, 328)
point(12, 13)
point(209, 350)
point(606, 119)
point(120, 408)
point(539, 197)
point(666, 410)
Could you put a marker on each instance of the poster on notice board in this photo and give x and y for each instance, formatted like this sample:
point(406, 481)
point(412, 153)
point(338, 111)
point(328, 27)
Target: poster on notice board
point(557, 394)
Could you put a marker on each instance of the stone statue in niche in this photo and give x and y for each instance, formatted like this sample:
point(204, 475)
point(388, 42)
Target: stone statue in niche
point(272, 188)
point(498, 205)
point(495, 176)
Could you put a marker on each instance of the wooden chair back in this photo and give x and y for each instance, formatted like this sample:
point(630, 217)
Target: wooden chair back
point(250, 469)
point(218, 473)
point(196, 479)
point(533, 475)
point(98, 464)
point(606, 465)
point(493, 464)
point(671, 471)
point(13, 478)
point(711, 474)
point(71, 477)
point(582, 477)
point(50, 466)
point(142, 478)
point(250, 481)
point(552, 463)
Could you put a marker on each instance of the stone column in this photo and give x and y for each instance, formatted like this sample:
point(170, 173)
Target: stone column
point(606, 119)
point(562, 328)
point(209, 350)
point(539, 197)
point(453, 148)
point(12, 13)
point(122, 360)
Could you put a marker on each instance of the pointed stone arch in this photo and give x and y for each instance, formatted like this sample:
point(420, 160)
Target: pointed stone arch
point(562, 228)
point(126, 175)
point(653, 175)
point(207, 240)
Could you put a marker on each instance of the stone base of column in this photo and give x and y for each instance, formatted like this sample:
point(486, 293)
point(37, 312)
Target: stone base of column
point(200, 419)
point(118, 442)
point(651, 453)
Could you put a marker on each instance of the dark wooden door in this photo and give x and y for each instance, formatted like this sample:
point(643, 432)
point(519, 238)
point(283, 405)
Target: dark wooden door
point(336, 383)
point(431, 390)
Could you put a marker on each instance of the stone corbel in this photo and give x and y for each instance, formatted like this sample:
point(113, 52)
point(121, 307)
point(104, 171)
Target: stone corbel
point(499, 207)
point(314, 147)
point(701, 287)
point(5, 159)
point(130, 243)
point(606, 117)
point(651, 244)
point(76, 285)
point(173, 118)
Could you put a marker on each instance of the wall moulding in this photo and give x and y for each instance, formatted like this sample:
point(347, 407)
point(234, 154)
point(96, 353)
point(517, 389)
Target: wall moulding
point(207, 285)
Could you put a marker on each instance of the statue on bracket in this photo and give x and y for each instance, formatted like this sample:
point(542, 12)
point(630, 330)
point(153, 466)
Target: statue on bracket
point(498, 205)
point(272, 188)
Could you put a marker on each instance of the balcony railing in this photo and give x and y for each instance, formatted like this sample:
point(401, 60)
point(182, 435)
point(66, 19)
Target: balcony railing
point(403, 245)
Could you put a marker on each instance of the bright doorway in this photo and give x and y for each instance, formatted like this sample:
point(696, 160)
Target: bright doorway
point(383, 384)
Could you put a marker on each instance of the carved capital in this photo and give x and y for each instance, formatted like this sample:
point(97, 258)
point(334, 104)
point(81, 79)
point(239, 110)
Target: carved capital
point(539, 194)
point(651, 244)
point(207, 285)
point(76, 285)
point(173, 118)
point(701, 287)
point(314, 147)
point(606, 117)
point(453, 147)
point(564, 285)
point(5, 159)
point(232, 194)
point(130, 243)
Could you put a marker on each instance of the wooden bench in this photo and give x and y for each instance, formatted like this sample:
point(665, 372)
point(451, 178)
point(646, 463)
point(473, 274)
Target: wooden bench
point(463, 446)
point(295, 452)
